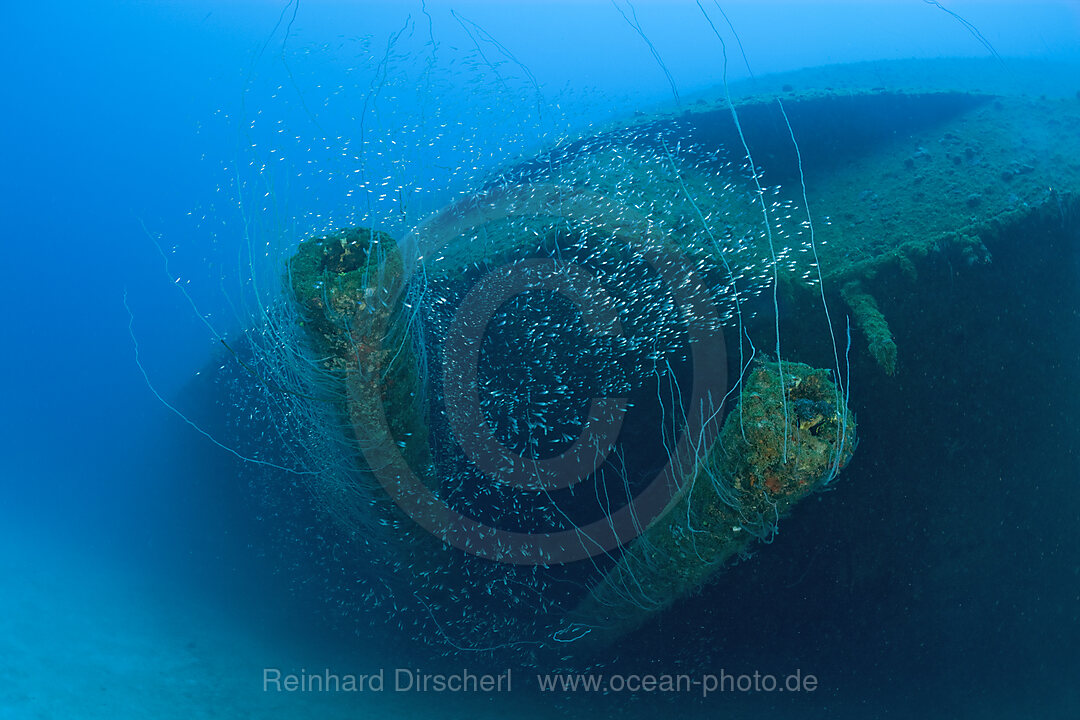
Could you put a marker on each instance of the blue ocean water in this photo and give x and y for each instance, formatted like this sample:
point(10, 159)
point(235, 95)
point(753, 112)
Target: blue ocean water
point(163, 160)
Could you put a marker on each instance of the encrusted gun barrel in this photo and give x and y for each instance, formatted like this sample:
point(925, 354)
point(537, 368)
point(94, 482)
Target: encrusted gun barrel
point(782, 442)
point(349, 288)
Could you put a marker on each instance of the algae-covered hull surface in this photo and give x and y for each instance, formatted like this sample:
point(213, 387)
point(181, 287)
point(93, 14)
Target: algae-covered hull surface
point(546, 360)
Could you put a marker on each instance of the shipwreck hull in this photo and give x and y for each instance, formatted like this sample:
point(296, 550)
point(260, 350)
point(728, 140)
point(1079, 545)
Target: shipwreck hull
point(901, 227)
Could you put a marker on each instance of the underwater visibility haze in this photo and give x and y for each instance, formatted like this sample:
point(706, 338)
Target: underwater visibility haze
point(555, 359)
